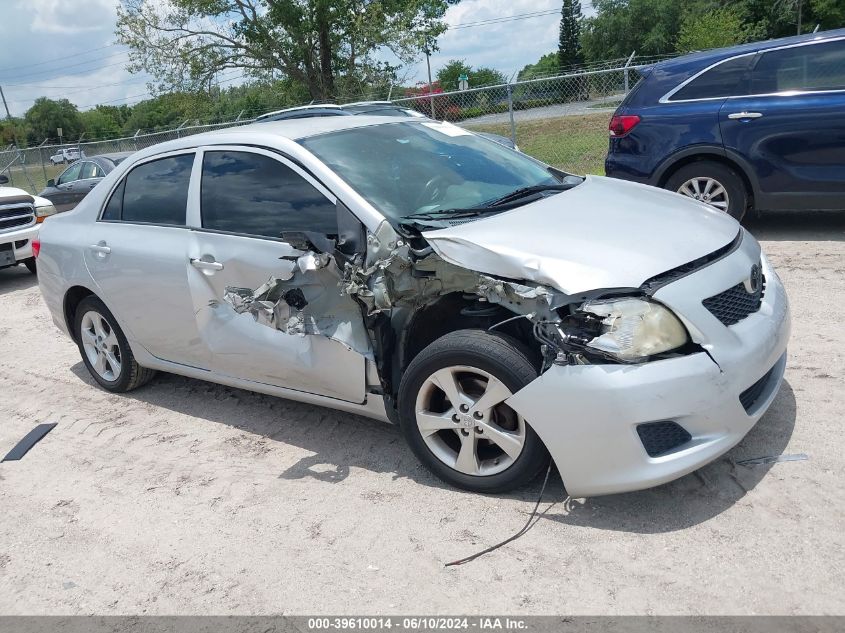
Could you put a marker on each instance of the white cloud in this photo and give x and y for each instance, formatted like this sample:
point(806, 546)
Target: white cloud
point(61, 16)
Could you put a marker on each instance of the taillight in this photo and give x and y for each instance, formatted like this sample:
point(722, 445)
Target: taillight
point(621, 124)
point(36, 247)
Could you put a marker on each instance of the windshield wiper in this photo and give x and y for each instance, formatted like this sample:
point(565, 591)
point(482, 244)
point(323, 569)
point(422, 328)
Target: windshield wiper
point(524, 192)
point(469, 212)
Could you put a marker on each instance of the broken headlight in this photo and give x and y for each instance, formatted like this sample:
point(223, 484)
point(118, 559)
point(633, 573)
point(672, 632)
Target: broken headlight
point(634, 329)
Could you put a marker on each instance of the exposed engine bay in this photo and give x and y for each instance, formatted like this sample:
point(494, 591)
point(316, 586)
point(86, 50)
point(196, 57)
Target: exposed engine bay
point(406, 295)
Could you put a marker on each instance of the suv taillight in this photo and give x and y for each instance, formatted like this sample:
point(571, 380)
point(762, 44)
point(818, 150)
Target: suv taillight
point(36, 247)
point(621, 124)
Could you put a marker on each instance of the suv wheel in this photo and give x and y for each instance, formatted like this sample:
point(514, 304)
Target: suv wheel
point(29, 262)
point(453, 415)
point(712, 183)
point(104, 348)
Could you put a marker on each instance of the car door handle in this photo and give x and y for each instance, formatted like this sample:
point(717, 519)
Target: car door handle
point(745, 115)
point(100, 249)
point(201, 264)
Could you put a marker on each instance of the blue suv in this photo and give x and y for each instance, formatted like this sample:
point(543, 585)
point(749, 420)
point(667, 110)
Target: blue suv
point(759, 126)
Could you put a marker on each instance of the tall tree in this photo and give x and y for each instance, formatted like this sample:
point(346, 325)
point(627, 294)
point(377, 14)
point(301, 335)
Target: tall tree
point(569, 43)
point(46, 115)
point(185, 43)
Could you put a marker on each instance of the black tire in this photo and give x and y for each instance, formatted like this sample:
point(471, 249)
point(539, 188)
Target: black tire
point(724, 175)
point(131, 375)
point(30, 265)
point(501, 357)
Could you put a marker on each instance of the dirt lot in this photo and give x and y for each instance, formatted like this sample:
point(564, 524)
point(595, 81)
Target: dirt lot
point(185, 497)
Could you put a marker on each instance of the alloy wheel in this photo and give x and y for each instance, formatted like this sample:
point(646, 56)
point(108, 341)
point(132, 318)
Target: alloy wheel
point(462, 418)
point(707, 190)
point(101, 346)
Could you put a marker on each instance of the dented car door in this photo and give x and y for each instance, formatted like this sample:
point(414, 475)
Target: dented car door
point(267, 310)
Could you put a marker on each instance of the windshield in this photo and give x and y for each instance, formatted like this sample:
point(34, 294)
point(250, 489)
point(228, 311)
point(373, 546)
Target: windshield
point(409, 168)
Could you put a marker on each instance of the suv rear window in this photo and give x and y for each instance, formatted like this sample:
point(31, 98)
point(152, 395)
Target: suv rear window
point(728, 79)
point(812, 67)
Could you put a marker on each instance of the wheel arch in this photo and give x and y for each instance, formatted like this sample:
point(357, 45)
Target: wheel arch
point(73, 297)
point(715, 154)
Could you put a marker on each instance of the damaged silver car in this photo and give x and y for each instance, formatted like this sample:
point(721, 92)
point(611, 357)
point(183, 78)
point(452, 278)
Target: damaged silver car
point(500, 311)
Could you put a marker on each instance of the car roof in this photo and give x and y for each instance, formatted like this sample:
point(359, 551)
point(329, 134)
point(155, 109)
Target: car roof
point(273, 133)
point(665, 75)
point(312, 106)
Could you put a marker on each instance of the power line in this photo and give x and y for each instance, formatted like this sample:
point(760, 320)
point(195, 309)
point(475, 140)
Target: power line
point(62, 58)
point(58, 68)
point(511, 18)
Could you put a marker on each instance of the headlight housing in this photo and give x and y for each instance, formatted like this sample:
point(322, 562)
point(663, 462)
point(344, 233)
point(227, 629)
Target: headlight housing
point(44, 211)
point(634, 329)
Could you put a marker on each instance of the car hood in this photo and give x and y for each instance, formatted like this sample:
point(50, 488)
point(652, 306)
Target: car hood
point(604, 233)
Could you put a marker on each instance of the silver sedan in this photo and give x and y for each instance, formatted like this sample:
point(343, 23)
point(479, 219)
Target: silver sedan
point(502, 312)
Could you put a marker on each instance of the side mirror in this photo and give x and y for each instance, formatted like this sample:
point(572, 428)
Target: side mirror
point(3, 179)
point(51, 183)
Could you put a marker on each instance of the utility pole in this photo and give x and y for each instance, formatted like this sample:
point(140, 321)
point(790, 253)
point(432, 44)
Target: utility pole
point(430, 89)
point(6, 105)
point(799, 16)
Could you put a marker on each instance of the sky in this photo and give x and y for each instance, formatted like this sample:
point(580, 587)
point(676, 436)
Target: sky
point(62, 49)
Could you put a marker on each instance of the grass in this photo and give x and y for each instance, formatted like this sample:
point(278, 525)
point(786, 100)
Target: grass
point(20, 176)
point(577, 144)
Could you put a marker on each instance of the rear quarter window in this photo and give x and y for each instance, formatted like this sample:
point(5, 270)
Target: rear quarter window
point(728, 79)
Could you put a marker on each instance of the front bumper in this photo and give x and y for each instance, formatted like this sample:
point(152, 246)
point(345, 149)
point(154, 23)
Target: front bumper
point(587, 415)
point(21, 241)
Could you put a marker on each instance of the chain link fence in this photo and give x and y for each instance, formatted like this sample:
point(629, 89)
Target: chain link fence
point(561, 120)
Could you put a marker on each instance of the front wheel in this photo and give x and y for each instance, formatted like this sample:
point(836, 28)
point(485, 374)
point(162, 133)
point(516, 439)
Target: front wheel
point(105, 350)
point(453, 413)
point(711, 183)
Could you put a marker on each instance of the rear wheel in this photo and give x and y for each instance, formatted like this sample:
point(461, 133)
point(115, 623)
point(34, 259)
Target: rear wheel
point(104, 348)
point(30, 264)
point(454, 416)
point(712, 183)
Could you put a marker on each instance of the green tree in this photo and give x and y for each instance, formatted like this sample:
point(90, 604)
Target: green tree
point(185, 43)
point(649, 27)
point(449, 74)
point(46, 115)
point(101, 122)
point(569, 52)
point(546, 66)
point(714, 29)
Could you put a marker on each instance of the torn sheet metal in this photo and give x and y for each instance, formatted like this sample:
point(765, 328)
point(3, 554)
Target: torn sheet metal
point(305, 303)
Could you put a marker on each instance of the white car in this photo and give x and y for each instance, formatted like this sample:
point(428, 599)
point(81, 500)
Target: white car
point(66, 156)
point(501, 311)
point(20, 217)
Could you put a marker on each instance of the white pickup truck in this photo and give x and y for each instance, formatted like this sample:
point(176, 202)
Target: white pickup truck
point(20, 216)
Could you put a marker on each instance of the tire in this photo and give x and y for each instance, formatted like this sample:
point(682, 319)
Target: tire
point(735, 199)
point(29, 262)
point(477, 363)
point(119, 371)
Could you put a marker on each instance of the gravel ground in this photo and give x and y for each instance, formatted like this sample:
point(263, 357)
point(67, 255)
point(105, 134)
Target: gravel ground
point(185, 497)
point(547, 112)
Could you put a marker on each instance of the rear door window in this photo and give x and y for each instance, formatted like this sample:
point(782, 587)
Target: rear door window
point(728, 79)
point(815, 67)
point(254, 194)
point(88, 170)
point(155, 192)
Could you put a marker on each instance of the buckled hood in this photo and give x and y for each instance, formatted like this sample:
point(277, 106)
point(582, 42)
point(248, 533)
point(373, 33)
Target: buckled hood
point(604, 233)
